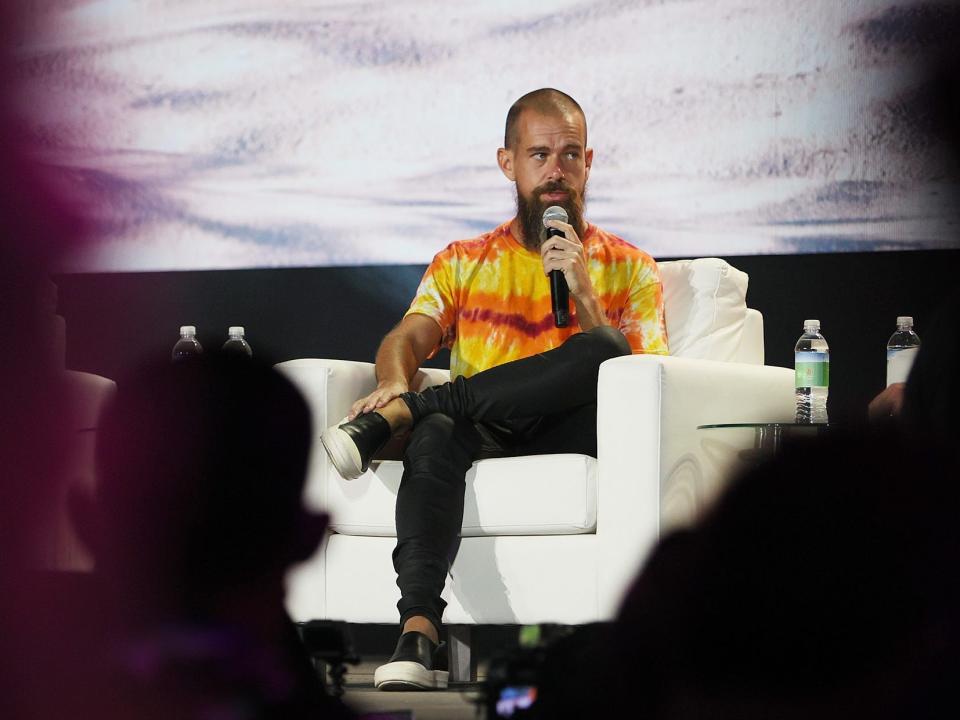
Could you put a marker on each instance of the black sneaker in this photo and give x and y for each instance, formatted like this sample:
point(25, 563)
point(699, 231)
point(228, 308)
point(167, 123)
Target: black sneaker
point(416, 664)
point(353, 444)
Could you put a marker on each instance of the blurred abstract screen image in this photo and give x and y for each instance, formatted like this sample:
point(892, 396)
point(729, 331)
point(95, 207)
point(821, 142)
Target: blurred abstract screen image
point(237, 134)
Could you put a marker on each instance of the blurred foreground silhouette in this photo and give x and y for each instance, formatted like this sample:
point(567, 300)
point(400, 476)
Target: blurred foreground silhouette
point(198, 515)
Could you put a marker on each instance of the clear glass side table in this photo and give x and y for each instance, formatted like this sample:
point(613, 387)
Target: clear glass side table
point(768, 436)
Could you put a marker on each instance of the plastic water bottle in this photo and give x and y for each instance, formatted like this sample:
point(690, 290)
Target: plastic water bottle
point(902, 348)
point(236, 346)
point(812, 367)
point(187, 347)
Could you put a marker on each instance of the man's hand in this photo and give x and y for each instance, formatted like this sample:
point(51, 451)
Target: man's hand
point(565, 253)
point(385, 392)
point(887, 404)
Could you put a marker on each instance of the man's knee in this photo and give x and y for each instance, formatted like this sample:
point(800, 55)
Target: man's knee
point(608, 342)
point(439, 442)
point(431, 434)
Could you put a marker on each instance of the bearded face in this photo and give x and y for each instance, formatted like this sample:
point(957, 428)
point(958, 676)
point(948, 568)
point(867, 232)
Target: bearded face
point(550, 165)
point(530, 209)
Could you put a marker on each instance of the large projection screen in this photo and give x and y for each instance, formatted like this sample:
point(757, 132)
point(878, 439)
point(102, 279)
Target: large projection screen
point(238, 134)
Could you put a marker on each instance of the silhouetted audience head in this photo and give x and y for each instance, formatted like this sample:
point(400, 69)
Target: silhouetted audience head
point(823, 584)
point(39, 221)
point(197, 517)
point(201, 472)
point(931, 401)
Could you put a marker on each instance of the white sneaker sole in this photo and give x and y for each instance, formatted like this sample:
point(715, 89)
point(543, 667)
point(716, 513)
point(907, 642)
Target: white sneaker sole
point(343, 452)
point(409, 675)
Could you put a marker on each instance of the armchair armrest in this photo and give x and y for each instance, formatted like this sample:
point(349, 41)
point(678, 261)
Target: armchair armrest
point(81, 399)
point(656, 470)
point(330, 388)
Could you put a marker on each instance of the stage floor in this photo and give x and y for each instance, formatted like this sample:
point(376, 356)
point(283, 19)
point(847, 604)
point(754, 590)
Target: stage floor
point(459, 702)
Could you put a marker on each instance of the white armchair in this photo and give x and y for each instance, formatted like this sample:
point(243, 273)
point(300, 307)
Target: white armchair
point(81, 399)
point(557, 538)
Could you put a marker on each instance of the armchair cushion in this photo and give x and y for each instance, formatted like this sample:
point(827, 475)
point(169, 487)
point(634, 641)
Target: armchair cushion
point(504, 496)
point(705, 301)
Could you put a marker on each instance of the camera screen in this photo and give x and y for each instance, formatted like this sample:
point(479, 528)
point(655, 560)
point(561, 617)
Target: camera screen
point(515, 697)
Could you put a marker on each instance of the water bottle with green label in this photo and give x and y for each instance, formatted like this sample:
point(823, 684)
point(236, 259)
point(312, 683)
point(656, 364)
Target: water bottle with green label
point(812, 365)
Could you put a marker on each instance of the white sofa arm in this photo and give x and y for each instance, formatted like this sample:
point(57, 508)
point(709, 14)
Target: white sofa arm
point(82, 401)
point(330, 388)
point(656, 469)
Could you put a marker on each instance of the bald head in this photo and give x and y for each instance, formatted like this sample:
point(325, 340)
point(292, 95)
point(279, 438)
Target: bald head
point(545, 101)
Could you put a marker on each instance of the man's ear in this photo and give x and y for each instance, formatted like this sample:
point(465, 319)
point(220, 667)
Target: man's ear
point(505, 161)
point(588, 159)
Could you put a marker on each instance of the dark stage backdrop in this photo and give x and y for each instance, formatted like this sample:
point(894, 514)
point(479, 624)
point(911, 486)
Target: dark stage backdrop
point(117, 320)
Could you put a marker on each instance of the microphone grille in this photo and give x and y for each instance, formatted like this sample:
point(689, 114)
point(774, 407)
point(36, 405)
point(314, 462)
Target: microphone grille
point(555, 212)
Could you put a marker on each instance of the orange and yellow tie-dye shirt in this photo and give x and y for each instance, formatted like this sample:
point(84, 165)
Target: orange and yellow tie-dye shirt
point(491, 298)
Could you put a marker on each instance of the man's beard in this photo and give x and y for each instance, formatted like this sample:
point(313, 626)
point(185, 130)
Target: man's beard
point(530, 211)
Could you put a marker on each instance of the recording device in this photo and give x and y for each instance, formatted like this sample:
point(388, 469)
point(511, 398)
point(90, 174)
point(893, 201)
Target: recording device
point(514, 699)
point(512, 684)
point(546, 672)
point(559, 292)
point(330, 646)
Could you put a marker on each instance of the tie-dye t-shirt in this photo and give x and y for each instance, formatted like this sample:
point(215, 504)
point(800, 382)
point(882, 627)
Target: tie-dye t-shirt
point(491, 298)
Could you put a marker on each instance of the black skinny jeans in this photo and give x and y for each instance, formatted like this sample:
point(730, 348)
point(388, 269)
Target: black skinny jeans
point(546, 403)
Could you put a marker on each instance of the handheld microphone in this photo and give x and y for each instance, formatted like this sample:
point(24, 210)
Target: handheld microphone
point(559, 292)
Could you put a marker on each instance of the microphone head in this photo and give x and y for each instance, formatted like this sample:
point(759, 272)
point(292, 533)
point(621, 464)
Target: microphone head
point(555, 212)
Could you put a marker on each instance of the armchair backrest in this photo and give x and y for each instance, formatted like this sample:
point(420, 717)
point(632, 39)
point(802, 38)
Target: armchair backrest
point(705, 301)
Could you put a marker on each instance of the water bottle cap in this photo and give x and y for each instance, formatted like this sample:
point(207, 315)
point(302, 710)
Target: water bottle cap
point(188, 330)
point(808, 324)
point(904, 320)
point(235, 331)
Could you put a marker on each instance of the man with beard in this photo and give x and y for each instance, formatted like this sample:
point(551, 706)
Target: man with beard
point(520, 385)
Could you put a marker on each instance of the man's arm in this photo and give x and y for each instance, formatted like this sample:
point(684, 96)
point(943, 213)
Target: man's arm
point(401, 354)
point(589, 312)
point(887, 404)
